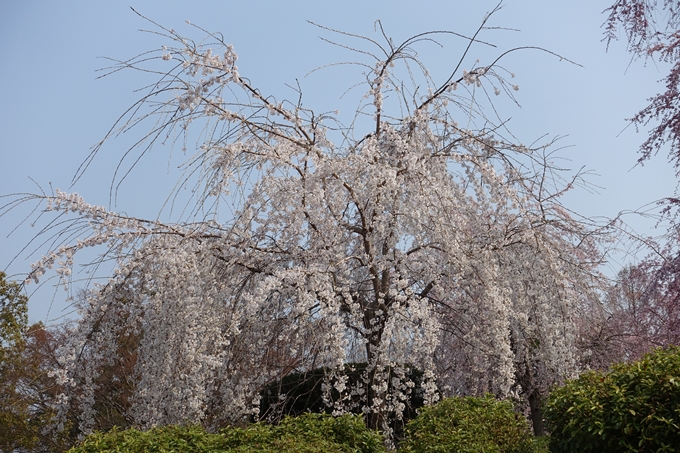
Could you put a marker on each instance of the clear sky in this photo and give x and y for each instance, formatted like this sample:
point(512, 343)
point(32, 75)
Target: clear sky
point(56, 109)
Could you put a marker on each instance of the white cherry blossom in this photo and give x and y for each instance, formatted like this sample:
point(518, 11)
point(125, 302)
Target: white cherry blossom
point(421, 243)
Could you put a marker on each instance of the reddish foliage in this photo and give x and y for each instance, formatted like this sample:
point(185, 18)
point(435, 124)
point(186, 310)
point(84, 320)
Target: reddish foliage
point(651, 32)
point(662, 295)
point(642, 312)
point(645, 302)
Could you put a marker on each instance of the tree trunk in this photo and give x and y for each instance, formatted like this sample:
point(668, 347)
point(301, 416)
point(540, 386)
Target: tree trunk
point(374, 419)
point(376, 415)
point(526, 380)
point(536, 413)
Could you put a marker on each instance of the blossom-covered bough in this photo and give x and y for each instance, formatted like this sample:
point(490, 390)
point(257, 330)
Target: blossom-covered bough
point(417, 235)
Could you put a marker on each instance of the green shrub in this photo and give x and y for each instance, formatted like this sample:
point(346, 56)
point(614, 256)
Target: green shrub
point(468, 425)
point(346, 434)
point(635, 407)
point(541, 444)
point(310, 433)
point(161, 439)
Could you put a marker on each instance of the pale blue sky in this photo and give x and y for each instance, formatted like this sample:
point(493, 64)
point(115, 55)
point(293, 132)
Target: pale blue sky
point(56, 109)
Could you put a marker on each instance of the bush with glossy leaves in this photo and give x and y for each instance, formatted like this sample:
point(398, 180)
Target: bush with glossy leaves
point(634, 407)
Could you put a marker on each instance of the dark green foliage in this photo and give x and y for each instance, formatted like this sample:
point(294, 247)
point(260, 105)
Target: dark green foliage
point(310, 433)
point(469, 425)
point(633, 408)
point(303, 393)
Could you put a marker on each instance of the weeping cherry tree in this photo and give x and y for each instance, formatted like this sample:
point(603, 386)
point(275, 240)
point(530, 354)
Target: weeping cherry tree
point(418, 235)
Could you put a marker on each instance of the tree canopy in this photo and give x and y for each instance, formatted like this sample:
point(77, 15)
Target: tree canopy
point(419, 234)
point(28, 393)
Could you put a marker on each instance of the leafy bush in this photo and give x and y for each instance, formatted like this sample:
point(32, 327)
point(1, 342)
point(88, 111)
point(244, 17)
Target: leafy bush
point(541, 444)
point(310, 433)
point(634, 407)
point(468, 425)
point(161, 439)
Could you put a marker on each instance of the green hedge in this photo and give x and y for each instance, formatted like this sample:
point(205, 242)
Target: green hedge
point(310, 433)
point(465, 425)
point(307, 433)
point(469, 425)
point(633, 408)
